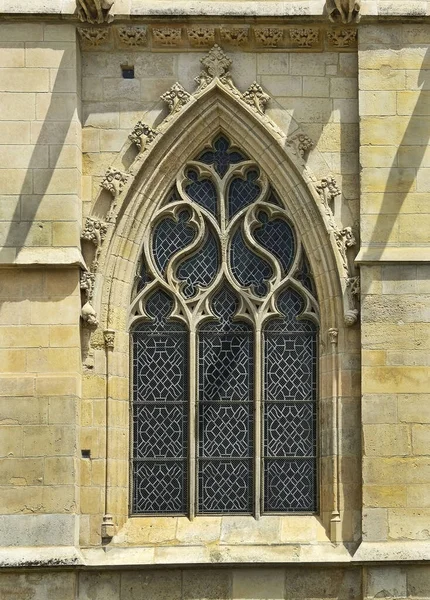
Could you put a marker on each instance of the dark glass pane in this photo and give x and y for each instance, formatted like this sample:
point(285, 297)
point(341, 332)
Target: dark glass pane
point(201, 268)
point(304, 275)
point(225, 409)
point(221, 156)
point(277, 237)
point(242, 192)
point(290, 485)
point(249, 269)
point(225, 486)
point(160, 487)
point(160, 410)
point(202, 191)
point(289, 409)
point(170, 236)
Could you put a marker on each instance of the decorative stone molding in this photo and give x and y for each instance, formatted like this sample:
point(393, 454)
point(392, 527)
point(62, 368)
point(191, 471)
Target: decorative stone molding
point(133, 36)
point(114, 181)
point(333, 335)
point(236, 36)
point(269, 36)
point(347, 11)
point(353, 295)
point(95, 232)
point(176, 98)
point(95, 11)
point(217, 63)
point(201, 36)
point(94, 36)
point(342, 38)
point(142, 135)
point(166, 36)
point(256, 97)
point(300, 143)
point(109, 338)
point(88, 314)
point(305, 37)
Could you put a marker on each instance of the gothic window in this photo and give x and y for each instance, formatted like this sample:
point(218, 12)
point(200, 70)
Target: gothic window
point(224, 349)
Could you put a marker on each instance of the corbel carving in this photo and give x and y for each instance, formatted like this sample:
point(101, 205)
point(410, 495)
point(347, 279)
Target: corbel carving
point(142, 135)
point(305, 37)
point(342, 38)
point(93, 36)
point(176, 98)
point(133, 36)
point(95, 232)
point(300, 144)
point(347, 11)
point(256, 97)
point(109, 338)
point(113, 182)
point(236, 36)
point(353, 297)
point(270, 37)
point(201, 36)
point(166, 36)
point(88, 314)
point(94, 11)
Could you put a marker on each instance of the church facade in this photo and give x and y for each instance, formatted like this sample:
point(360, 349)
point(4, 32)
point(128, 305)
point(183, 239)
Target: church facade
point(214, 299)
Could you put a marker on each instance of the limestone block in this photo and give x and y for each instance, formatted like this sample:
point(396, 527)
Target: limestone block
point(14, 132)
point(418, 578)
point(41, 586)
point(17, 156)
point(413, 156)
point(12, 54)
point(56, 107)
point(59, 471)
point(65, 234)
point(409, 524)
point(308, 110)
point(59, 32)
point(23, 386)
point(61, 181)
point(55, 132)
point(104, 584)
point(111, 140)
point(385, 496)
point(22, 471)
point(395, 470)
point(378, 156)
point(53, 54)
point(413, 102)
point(24, 80)
point(11, 444)
point(386, 440)
point(158, 585)
point(314, 64)
point(343, 87)
point(385, 582)
point(412, 379)
point(12, 360)
point(341, 584)
point(421, 439)
point(48, 440)
point(206, 584)
point(348, 65)
point(388, 180)
point(345, 110)
point(62, 410)
point(105, 115)
point(418, 496)
point(417, 80)
point(38, 530)
point(384, 78)
point(318, 87)
point(202, 530)
point(23, 411)
point(375, 524)
point(91, 500)
point(54, 385)
point(282, 85)
point(63, 80)
point(246, 530)
point(299, 529)
point(414, 408)
point(378, 103)
point(45, 313)
point(258, 583)
point(274, 64)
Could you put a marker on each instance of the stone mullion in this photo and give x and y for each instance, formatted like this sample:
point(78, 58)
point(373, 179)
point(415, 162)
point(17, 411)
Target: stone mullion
point(192, 428)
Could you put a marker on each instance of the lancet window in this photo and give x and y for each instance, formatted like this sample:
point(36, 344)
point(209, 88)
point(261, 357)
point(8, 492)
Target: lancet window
point(224, 349)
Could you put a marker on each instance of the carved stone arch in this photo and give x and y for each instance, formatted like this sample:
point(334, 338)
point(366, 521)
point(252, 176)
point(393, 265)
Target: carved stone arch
point(217, 109)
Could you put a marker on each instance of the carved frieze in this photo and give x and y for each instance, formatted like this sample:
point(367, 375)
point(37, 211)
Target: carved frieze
point(94, 11)
point(305, 37)
point(270, 37)
point(342, 38)
point(236, 36)
point(133, 36)
point(201, 36)
point(347, 11)
point(166, 36)
point(176, 98)
point(94, 36)
point(142, 135)
point(256, 97)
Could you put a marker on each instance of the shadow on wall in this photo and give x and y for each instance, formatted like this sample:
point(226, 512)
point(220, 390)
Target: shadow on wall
point(406, 162)
point(52, 135)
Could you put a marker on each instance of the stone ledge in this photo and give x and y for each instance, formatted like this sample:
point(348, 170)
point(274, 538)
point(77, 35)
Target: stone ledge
point(52, 556)
point(392, 551)
point(383, 254)
point(58, 257)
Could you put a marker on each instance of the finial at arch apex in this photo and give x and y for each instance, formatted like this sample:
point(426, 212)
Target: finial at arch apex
point(95, 11)
point(347, 11)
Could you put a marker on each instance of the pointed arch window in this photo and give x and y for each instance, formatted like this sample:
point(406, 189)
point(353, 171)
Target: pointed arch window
point(224, 349)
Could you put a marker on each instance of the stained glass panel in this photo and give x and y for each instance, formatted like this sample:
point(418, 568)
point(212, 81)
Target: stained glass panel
point(170, 236)
point(249, 268)
point(201, 268)
point(242, 192)
point(221, 156)
point(277, 237)
point(202, 191)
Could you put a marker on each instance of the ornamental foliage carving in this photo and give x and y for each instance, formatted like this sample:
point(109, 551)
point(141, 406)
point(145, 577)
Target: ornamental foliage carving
point(347, 11)
point(269, 36)
point(166, 36)
point(88, 313)
point(342, 38)
point(142, 135)
point(306, 37)
point(176, 98)
point(94, 11)
point(95, 232)
point(256, 97)
point(300, 143)
point(133, 36)
point(236, 36)
point(94, 36)
point(201, 36)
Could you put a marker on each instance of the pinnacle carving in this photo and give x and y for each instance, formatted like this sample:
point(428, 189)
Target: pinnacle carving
point(347, 11)
point(142, 135)
point(176, 98)
point(256, 97)
point(217, 63)
point(94, 11)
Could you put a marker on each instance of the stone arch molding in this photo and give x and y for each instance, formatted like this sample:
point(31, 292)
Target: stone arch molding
point(116, 236)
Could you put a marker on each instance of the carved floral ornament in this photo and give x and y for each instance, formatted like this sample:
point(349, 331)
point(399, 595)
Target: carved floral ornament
point(216, 74)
